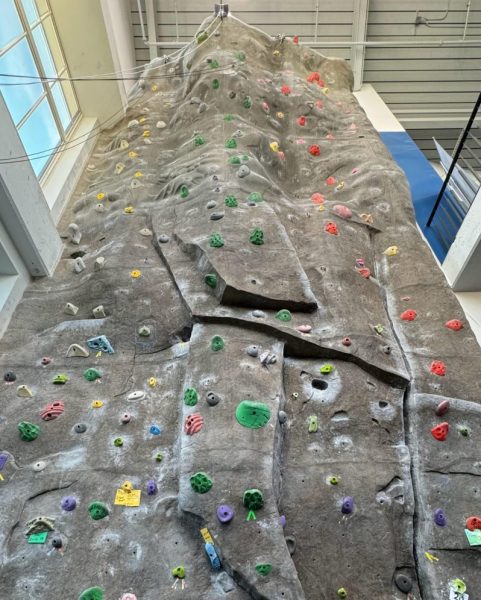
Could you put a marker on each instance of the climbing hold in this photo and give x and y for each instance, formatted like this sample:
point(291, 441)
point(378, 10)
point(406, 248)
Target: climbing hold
point(346, 341)
point(284, 315)
point(317, 198)
point(440, 517)
point(9, 376)
point(286, 90)
point(93, 593)
point(129, 596)
point(264, 568)
point(57, 542)
point(184, 191)
point(274, 146)
point(99, 263)
point(438, 368)
point(155, 430)
point(347, 505)
point(231, 143)
point(252, 415)
point(265, 107)
point(331, 180)
point(178, 572)
point(60, 379)
point(163, 238)
point(92, 374)
point(77, 350)
point(199, 140)
point(212, 556)
point(282, 416)
point(253, 351)
point(365, 272)
point(442, 408)
point(408, 315)
point(80, 428)
point(24, 391)
point(225, 513)
point(135, 274)
point(98, 510)
point(78, 265)
point(440, 432)
point(255, 197)
point(216, 240)
point(334, 479)
point(68, 503)
point(118, 442)
point(243, 171)
point(464, 430)
point(216, 216)
point(137, 395)
point(454, 324)
point(151, 487)
point(386, 349)
point(144, 331)
point(331, 228)
point(304, 328)
point(125, 418)
point(212, 398)
point(100, 343)
point(473, 523)
point(39, 466)
point(28, 431)
point(52, 411)
point(259, 314)
point(191, 397)
point(193, 423)
point(378, 328)
point(247, 102)
point(74, 234)
point(215, 84)
point(312, 423)
point(314, 150)
point(217, 343)
point(253, 499)
point(301, 121)
point(257, 236)
point(231, 201)
point(403, 582)
point(99, 312)
point(458, 586)
point(326, 369)
point(391, 251)
point(200, 482)
point(129, 210)
point(267, 358)
point(211, 280)
point(342, 211)
point(159, 457)
point(282, 521)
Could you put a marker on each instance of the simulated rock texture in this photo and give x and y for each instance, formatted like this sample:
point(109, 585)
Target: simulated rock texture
point(246, 213)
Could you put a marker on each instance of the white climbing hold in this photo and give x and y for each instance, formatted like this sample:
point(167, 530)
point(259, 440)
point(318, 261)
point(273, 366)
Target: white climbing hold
point(70, 309)
point(99, 263)
point(99, 311)
point(74, 233)
point(24, 391)
point(137, 395)
point(77, 350)
point(145, 232)
point(124, 144)
point(91, 168)
point(161, 124)
point(79, 265)
point(119, 167)
point(133, 123)
point(135, 183)
point(99, 207)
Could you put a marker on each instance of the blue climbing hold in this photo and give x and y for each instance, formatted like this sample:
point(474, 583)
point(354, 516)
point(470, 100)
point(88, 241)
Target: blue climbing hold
point(213, 556)
point(100, 343)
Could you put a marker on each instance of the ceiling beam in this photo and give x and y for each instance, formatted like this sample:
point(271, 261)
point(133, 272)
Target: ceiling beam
point(359, 29)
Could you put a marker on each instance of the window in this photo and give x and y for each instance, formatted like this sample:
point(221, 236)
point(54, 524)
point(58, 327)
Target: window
point(43, 109)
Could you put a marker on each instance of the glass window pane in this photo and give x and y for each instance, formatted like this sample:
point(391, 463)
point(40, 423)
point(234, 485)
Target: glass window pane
point(10, 25)
point(30, 9)
point(44, 51)
point(19, 98)
point(38, 133)
point(53, 44)
point(61, 105)
point(70, 97)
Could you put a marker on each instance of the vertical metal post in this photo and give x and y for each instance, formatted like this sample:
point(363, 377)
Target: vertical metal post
point(151, 28)
point(359, 30)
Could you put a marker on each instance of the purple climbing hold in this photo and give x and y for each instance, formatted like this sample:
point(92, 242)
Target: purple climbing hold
point(440, 517)
point(151, 487)
point(347, 505)
point(282, 520)
point(3, 460)
point(68, 503)
point(225, 513)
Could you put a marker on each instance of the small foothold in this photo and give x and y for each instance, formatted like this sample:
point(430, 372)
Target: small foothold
point(9, 376)
point(155, 430)
point(217, 343)
point(257, 238)
point(216, 216)
point(24, 391)
point(99, 312)
point(60, 379)
point(161, 124)
point(93, 593)
point(378, 328)
point(304, 328)
point(438, 368)
point(312, 424)
point(253, 351)
point(212, 398)
point(74, 233)
point(178, 572)
point(201, 482)
point(342, 593)
point(68, 503)
point(473, 523)
point(159, 457)
point(191, 397)
point(347, 505)
point(464, 430)
point(137, 395)
point(243, 171)
point(70, 309)
point(231, 143)
point(183, 191)
point(267, 358)
point(387, 349)
point(408, 315)
point(282, 416)
point(125, 418)
point(211, 280)
point(79, 265)
point(46, 360)
point(118, 442)
point(346, 342)
point(100, 342)
point(92, 374)
point(39, 466)
point(314, 150)
point(225, 513)
point(442, 408)
point(98, 510)
point(80, 428)
point(259, 314)
point(216, 240)
point(199, 140)
point(255, 197)
point(52, 410)
point(403, 582)
point(57, 542)
point(247, 102)
point(163, 238)
point(331, 228)
point(152, 382)
point(454, 324)
point(391, 251)
point(253, 499)
point(284, 315)
point(144, 331)
point(151, 487)
point(264, 568)
point(440, 432)
point(334, 479)
point(77, 350)
point(440, 517)
point(28, 431)
point(145, 232)
point(193, 423)
point(99, 263)
point(253, 415)
point(326, 369)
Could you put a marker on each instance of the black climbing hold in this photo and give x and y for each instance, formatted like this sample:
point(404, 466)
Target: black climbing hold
point(319, 384)
point(212, 398)
point(9, 376)
point(216, 216)
point(282, 416)
point(403, 582)
point(163, 238)
point(57, 542)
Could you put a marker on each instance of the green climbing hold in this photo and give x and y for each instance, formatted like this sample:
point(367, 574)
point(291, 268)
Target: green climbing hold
point(93, 593)
point(215, 84)
point(234, 160)
point(284, 315)
point(255, 197)
point(200, 482)
point(231, 201)
point(247, 102)
point(326, 369)
point(159, 457)
point(379, 328)
point(98, 510)
point(240, 56)
point(199, 140)
point(191, 397)
point(202, 36)
point(60, 379)
point(217, 343)
point(92, 374)
point(213, 63)
point(253, 415)
point(334, 479)
point(231, 143)
point(216, 240)
point(253, 499)
point(463, 430)
point(184, 191)
point(257, 237)
point(312, 424)
point(28, 431)
point(211, 280)
point(341, 592)
point(264, 568)
point(118, 442)
point(229, 117)
point(179, 572)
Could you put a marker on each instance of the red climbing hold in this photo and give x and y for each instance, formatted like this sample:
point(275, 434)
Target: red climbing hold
point(301, 121)
point(365, 272)
point(473, 523)
point(440, 432)
point(314, 150)
point(330, 180)
point(409, 315)
point(286, 90)
point(317, 198)
point(314, 77)
point(52, 411)
point(454, 324)
point(295, 39)
point(193, 423)
point(319, 104)
point(438, 368)
point(331, 228)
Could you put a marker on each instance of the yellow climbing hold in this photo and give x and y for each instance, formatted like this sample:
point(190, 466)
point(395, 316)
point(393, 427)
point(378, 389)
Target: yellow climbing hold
point(127, 486)
point(325, 90)
point(99, 354)
point(124, 144)
point(431, 557)
point(100, 196)
point(97, 404)
point(204, 532)
point(152, 382)
point(276, 53)
point(391, 251)
point(274, 146)
point(128, 210)
point(135, 274)
point(280, 115)
point(321, 207)
point(154, 87)
point(340, 185)
point(132, 154)
point(127, 496)
point(138, 174)
point(146, 133)
point(142, 120)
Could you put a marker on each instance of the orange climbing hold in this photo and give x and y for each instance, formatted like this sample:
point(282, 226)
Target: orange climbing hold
point(454, 324)
point(438, 368)
point(440, 432)
point(409, 315)
point(331, 228)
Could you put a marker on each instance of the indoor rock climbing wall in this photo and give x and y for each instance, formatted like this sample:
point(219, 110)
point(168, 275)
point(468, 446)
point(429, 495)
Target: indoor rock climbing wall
point(247, 378)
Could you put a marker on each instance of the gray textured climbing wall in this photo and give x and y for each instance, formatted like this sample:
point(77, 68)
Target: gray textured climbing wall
point(231, 387)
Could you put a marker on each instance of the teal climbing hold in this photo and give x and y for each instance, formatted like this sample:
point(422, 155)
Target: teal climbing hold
point(253, 415)
point(253, 499)
point(255, 197)
point(199, 140)
point(264, 568)
point(201, 482)
point(191, 397)
point(231, 201)
point(28, 431)
point(247, 102)
point(231, 143)
point(216, 240)
point(92, 374)
point(211, 280)
point(98, 510)
point(257, 236)
point(93, 593)
point(284, 315)
point(217, 343)
point(184, 191)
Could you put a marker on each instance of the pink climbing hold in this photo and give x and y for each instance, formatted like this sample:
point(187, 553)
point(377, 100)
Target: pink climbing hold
point(346, 342)
point(329, 136)
point(52, 411)
point(454, 324)
point(193, 423)
point(331, 228)
point(314, 150)
point(409, 315)
point(286, 90)
point(355, 171)
point(301, 121)
point(342, 211)
point(442, 408)
point(317, 198)
point(319, 104)
point(265, 108)
point(129, 597)
point(331, 180)
point(281, 155)
point(438, 368)
point(295, 39)
point(304, 328)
